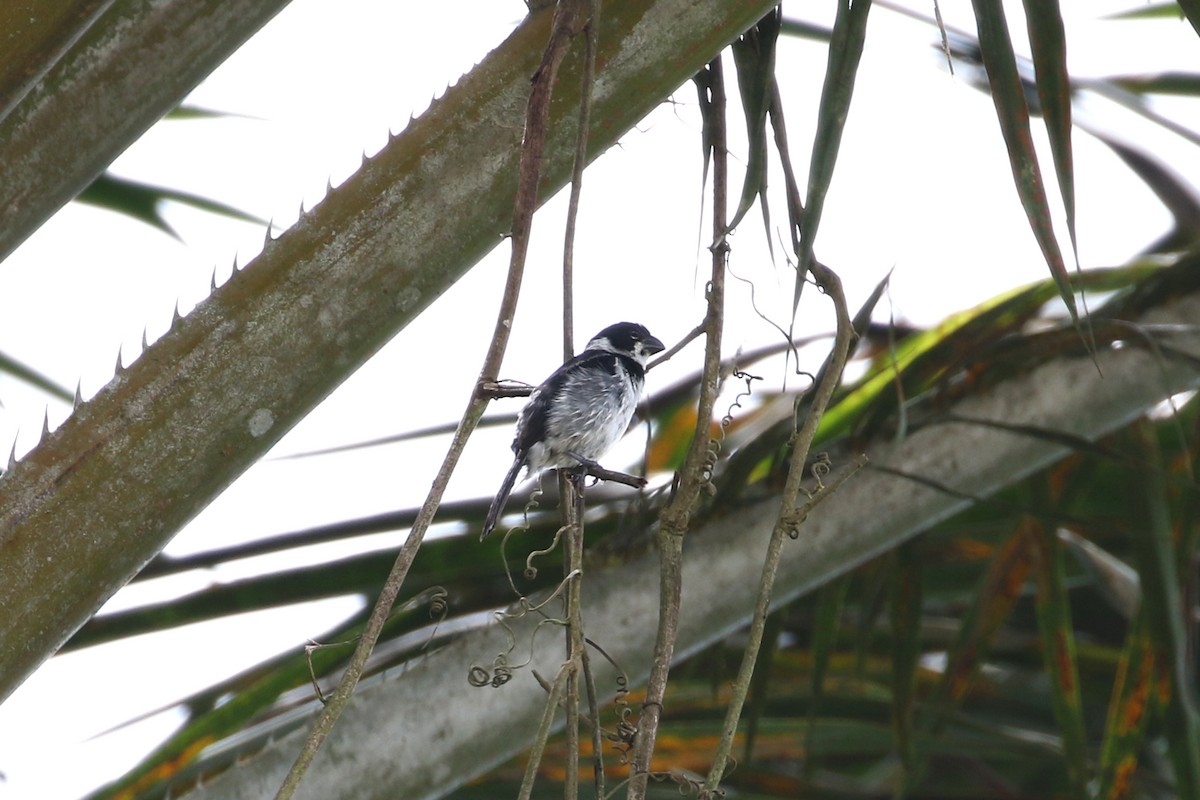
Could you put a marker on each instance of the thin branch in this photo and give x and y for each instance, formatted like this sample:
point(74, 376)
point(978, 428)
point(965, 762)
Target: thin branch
point(573, 565)
point(495, 390)
point(695, 473)
point(790, 515)
point(571, 487)
point(524, 205)
point(543, 732)
point(693, 334)
point(591, 31)
point(589, 683)
point(597, 471)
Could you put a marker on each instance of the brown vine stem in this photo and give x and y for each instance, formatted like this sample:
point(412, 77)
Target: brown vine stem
point(675, 519)
point(571, 488)
point(589, 683)
point(525, 202)
point(790, 515)
point(543, 732)
point(573, 565)
point(591, 33)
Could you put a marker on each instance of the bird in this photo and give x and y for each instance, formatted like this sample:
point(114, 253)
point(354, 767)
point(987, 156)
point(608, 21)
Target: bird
point(578, 413)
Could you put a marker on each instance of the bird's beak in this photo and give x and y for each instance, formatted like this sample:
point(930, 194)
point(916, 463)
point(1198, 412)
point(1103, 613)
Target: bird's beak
point(652, 346)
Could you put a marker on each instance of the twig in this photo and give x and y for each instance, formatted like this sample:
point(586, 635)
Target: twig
point(587, 720)
point(573, 565)
point(597, 471)
point(589, 683)
point(675, 518)
point(825, 490)
point(591, 30)
point(693, 334)
point(523, 207)
point(571, 487)
point(493, 390)
point(543, 732)
point(790, 516)
point(391, 589)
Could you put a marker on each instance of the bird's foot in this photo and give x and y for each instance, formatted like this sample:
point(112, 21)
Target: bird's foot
point(591, 467)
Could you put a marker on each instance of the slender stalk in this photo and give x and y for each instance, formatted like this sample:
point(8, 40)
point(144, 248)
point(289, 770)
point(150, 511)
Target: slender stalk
point(573, 565)
point(383, 606)
point(524, 205)
point(571, 490)
point(675, 519)
point(543, 732)
point(591, 32)
point(790, 517)
point(589, 682)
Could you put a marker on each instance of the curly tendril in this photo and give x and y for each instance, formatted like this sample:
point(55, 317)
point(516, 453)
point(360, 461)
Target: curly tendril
point(531, 571)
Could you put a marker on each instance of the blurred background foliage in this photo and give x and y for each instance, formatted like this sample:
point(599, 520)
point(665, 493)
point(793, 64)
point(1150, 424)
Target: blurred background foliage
point(1015, 650)
point(1041, 643)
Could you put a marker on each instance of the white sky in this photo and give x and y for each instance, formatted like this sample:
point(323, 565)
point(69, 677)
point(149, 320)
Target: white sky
point(922, 168)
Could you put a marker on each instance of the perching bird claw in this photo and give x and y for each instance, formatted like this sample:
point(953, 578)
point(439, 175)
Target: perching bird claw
point(577, 414)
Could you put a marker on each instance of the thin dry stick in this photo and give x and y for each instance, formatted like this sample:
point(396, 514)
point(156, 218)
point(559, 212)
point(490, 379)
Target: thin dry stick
point(523, 207)
point(591, 32)
point(572, 491)
point(587, 721)
point(790, 516)
point(675, 518)
point(675, 348)
point(565, 26)
point(543, 733)
point(589, 682)
point(573, 563)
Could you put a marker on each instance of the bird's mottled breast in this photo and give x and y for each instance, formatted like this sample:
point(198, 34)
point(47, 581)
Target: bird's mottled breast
point(583, 410)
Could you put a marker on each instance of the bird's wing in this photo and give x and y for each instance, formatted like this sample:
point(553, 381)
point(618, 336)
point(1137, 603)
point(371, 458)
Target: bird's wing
point(531, 428)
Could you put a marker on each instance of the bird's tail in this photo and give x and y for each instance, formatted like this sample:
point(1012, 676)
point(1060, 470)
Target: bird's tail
point(497, 508)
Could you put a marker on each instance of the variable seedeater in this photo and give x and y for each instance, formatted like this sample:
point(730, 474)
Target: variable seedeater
point(577, 414)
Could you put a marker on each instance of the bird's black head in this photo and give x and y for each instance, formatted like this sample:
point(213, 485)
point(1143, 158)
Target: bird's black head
point(627, 338)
